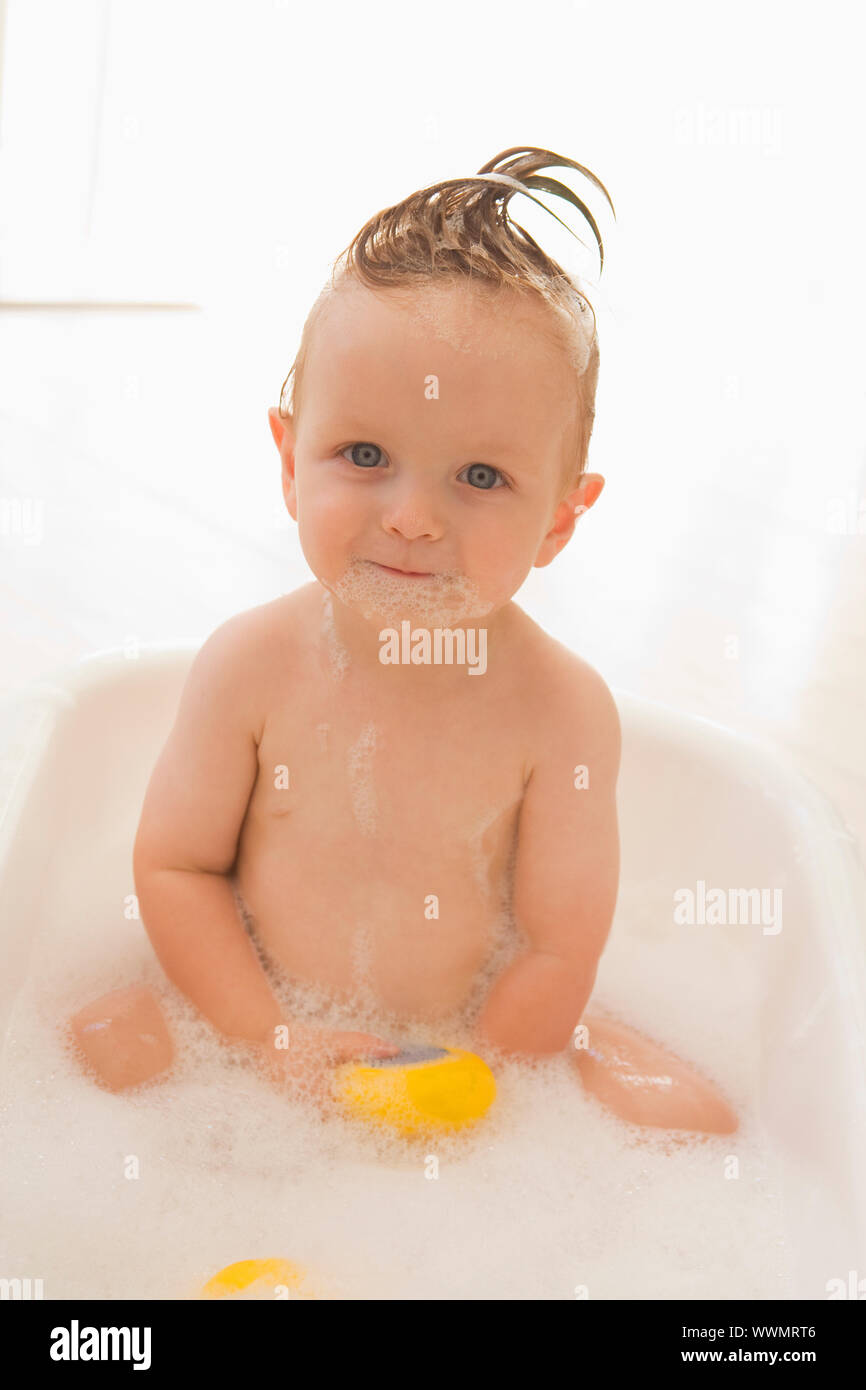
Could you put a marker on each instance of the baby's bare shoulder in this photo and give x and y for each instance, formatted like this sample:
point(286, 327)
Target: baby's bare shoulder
point(281, 615)
point(267, 629)
point(246, 654)
point(567, 698)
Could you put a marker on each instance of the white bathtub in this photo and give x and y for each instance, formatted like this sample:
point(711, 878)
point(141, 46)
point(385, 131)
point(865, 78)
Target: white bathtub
point(697, 802)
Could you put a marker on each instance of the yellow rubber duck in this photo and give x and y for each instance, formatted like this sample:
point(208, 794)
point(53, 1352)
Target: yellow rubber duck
point(419, 1089)
point(270, 1279)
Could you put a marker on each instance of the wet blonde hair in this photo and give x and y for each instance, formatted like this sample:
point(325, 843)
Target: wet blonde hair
point(459, 232)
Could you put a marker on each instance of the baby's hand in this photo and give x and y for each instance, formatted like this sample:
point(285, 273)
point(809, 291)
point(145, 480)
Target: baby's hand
point(305, 1068)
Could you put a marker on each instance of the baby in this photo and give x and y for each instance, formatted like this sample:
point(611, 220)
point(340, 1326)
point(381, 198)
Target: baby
point(378, 769)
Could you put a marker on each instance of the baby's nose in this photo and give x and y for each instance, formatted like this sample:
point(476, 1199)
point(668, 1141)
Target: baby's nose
point(411, 513)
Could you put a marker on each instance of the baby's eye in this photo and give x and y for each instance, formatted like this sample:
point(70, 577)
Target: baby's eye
point(364, 455)
point(481, 475)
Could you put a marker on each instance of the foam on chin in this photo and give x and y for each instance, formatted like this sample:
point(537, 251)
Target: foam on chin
point(442, 600)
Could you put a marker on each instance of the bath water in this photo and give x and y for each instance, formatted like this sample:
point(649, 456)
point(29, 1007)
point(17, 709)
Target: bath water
point(147, 1194)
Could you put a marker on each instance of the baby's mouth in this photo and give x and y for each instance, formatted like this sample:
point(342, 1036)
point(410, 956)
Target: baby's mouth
point(404, 574)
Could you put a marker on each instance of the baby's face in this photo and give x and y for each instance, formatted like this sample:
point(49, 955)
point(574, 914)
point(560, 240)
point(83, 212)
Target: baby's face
point(426, 472)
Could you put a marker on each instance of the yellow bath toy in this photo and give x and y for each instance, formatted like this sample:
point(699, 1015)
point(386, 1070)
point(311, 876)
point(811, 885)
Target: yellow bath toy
point(418, 1089)
point(271, 1277)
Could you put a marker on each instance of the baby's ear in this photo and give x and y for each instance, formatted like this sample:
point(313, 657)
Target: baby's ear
point(569, 510)
point(587, 492)
point(278, 423)
point(284, 438)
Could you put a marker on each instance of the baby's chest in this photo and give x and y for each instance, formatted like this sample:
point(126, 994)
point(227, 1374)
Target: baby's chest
point(407, 793)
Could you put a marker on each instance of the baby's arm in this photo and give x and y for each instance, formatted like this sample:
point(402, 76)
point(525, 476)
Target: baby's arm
point(566, 874)
point(187, 837)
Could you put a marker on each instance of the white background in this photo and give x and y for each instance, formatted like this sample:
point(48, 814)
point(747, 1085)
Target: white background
point(220, 156)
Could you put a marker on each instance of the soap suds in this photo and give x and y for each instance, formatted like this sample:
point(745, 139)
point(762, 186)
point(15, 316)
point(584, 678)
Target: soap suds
point(441, 600)
point(361, 785)
point(337, 654)
point(438, 316)
point(150, 1193)
point(362, 966)
point(483, 846)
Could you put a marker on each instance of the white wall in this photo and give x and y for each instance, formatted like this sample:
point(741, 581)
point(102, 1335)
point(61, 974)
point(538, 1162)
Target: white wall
point(224, 153)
